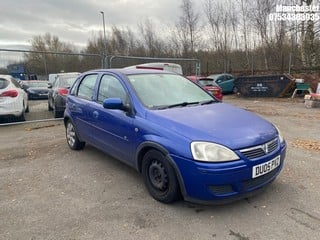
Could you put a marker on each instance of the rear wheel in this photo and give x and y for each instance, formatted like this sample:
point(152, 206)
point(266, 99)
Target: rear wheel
point(57, 114)
point(49, 106)
point(159, 177)
point(72, 137)
point(22, 117)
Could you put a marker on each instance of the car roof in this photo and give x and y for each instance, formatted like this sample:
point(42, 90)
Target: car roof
point(130, 71)
point(5, 76)
point(31, 81)
point(220, 74)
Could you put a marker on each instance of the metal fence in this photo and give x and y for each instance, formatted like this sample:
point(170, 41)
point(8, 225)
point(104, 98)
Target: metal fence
point(190, 66)
point(42, 63)
point(26, 64)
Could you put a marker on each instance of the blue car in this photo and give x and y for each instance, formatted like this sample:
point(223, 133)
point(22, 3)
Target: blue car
point(225, 81)
point(184, 142)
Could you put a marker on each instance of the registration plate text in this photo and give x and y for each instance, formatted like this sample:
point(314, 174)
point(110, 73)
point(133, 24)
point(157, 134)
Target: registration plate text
point(266, 167)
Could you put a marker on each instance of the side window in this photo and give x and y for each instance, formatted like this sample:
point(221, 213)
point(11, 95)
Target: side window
point(110, 87)
point(86, 86)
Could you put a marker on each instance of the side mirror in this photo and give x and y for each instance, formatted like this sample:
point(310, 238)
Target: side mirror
point(49, 85)
point(114, 103)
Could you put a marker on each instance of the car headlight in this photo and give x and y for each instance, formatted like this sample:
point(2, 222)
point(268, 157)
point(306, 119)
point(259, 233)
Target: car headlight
point(280, 135)
point(212, 152)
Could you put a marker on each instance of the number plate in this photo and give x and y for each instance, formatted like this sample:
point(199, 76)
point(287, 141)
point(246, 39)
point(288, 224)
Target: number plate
point(266, 167)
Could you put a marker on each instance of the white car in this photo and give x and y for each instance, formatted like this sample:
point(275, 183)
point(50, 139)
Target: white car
point(13, 99)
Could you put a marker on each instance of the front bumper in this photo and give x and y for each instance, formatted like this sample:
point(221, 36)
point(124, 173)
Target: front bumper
point(37, 96)
point(224, 182)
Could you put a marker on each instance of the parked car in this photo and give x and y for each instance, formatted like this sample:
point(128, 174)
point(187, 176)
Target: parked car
point(58, 91)
point(225, 81)
point(54, 76)
point(181, 139)
point(13, 99)
point(208, 84)
point(36, 89)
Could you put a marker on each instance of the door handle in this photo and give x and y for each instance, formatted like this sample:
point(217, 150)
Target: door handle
point(95, 114)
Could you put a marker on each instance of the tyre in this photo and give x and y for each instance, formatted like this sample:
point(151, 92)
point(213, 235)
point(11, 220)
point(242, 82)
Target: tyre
point(235, 90)
point(22, 117)
point(49, 106)
point(159, 177)
point(57, 114)
point(27, 109)
point(72, 137)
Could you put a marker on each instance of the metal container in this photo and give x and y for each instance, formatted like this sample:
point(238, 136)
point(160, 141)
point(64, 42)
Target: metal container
point(264, 86)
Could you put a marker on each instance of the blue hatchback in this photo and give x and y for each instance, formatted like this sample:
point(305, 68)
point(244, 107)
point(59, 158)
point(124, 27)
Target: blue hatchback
point(182, 140)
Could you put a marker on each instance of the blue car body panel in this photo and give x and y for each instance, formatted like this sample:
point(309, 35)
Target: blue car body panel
point(125, 136)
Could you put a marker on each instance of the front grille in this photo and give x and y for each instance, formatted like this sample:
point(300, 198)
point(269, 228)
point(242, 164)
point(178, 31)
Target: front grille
point(251, 183)
point(260, 150)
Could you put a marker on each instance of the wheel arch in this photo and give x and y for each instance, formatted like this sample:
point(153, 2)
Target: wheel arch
point(149, 145)
point(65, 121)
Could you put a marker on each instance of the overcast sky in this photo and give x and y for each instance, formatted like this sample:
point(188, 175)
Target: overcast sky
point(76, 21)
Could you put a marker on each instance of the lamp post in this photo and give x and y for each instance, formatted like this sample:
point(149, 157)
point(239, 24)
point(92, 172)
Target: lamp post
point(104, 39)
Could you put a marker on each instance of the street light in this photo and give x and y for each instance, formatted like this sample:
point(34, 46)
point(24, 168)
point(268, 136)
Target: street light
point(104, 38)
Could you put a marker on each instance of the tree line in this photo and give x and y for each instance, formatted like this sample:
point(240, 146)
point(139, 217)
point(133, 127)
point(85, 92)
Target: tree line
point(230, 35)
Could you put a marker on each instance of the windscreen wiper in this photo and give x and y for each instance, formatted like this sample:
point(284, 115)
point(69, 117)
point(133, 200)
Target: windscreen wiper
point(182, 104)
point(208, 102)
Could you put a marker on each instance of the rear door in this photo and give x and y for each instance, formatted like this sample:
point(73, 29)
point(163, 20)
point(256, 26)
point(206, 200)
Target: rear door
point(78, 103)
point(112, 128)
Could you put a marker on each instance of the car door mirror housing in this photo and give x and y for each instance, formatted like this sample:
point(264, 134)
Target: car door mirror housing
point(113, 103)
point(49, 85)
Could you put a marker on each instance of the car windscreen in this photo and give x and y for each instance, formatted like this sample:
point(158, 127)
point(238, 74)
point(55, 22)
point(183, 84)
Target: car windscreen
point(206, 82)
point(3, 83)
point(167, 90)
point(67, 82)
point(36, 84)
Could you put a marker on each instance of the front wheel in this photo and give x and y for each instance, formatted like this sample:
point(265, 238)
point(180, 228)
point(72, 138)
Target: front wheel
point(159, 177)
point(235, 90)
point(72, 137)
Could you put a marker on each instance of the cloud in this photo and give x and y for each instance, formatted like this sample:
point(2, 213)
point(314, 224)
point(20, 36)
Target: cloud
point(75, 21)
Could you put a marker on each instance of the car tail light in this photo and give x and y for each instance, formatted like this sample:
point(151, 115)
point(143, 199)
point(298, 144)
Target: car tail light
point(10, 93)
point(63, 91)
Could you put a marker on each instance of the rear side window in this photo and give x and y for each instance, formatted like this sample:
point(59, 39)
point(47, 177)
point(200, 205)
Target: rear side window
point(3, 83)
point(15, 83)
point(86, 86)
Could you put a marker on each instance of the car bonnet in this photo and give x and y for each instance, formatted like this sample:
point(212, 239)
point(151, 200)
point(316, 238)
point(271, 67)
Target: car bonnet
point(219, 122)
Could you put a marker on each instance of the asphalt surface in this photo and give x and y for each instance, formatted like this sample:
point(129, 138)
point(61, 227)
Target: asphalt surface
point(48, 191)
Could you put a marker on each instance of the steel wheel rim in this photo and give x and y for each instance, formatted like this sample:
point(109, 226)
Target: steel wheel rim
point(71, 134)
point(158, 176)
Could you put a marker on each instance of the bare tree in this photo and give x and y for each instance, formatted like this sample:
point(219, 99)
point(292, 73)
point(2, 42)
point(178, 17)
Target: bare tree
point(188, 28)
point(43, 63)
point(260, 11)
point(153, 43)
point(307, 41)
